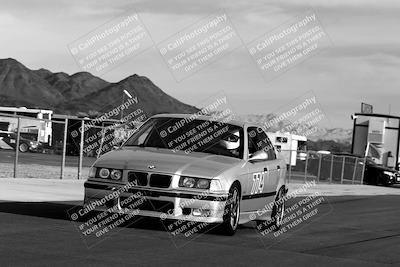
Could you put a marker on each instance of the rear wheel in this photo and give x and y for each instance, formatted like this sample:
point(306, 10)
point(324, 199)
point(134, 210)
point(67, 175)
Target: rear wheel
point(231, 211)
point(278, 211)
point(23, 147)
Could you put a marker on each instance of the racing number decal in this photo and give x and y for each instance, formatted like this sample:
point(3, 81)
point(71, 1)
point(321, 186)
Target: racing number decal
point(258, 183)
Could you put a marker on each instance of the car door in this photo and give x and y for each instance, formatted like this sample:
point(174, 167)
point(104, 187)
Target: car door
point(3, 144)
point(263, 173)
point(6, 141)
point(274, 166)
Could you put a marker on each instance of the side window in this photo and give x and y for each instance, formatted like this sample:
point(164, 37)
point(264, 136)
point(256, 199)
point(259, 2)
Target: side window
point(251, 134)
point(281, 139)
point(270, 148)
point(258, 140)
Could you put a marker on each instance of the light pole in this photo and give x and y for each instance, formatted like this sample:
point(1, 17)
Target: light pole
point(125, 92)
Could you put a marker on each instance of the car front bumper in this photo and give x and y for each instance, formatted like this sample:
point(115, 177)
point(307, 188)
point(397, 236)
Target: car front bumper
point(156, 202)
point(395, 179)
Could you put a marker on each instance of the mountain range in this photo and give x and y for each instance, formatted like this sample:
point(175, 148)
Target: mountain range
point(80, 93)
point(84, 94)
point(339, 135)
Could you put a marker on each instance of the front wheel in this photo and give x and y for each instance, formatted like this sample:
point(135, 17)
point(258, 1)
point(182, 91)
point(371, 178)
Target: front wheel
point(23, 147)
point(231, 212)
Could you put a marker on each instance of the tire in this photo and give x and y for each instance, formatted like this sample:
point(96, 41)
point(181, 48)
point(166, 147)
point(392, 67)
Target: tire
point(278, 212)
point(23, 147)
point(231, 212)
point(386, 181)
point(378, 179)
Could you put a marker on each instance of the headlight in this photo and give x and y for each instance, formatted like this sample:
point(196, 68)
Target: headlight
point(215, 185)
point(203, 183)
point(104, 173)
point(191, 182)
point(33, 144)
point(116, 174)
point(388, 173)
point(92, 172)
point(187, 182)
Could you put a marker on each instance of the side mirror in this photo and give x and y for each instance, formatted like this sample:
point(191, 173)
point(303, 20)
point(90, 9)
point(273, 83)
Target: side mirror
point(258, 156)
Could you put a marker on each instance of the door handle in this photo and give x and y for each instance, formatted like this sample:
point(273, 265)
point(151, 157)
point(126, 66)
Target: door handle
point(278, 167)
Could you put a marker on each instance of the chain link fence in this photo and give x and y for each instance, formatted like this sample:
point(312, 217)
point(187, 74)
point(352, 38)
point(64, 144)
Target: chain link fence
point(324, 167)
point(26, 151)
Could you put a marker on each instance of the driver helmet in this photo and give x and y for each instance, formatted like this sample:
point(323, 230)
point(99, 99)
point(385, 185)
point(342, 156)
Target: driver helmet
point(231, 141)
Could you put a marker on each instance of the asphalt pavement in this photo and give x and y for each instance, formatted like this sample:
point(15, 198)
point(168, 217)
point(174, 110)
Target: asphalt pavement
point(348, 231)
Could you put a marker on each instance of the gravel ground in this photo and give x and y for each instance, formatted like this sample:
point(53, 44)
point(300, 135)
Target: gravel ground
point(40, 171)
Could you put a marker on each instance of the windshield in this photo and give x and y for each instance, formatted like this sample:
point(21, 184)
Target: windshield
point(375, 152)
point(190, 136)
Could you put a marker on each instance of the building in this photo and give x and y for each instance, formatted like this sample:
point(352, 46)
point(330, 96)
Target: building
point(377, 136)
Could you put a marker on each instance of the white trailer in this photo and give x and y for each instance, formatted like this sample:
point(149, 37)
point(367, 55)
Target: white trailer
point(289, 146)
point(41, 129)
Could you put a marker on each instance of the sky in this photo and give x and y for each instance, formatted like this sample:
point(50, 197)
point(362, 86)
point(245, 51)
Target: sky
point(360, 65)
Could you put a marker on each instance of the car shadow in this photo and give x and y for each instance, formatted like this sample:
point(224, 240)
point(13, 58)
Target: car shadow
point(62, 211)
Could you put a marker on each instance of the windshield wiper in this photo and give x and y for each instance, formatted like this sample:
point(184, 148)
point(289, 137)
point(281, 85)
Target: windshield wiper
point(141, 145)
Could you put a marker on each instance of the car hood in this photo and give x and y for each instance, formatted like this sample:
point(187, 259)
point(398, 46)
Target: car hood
point(371, 164)
point(166, 161)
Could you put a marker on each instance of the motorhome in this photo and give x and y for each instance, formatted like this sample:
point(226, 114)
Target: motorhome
point(290, 147)
point(33, 122)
